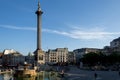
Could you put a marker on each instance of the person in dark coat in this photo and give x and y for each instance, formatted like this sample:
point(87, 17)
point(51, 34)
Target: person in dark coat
point(62, 73)
point(95, 75)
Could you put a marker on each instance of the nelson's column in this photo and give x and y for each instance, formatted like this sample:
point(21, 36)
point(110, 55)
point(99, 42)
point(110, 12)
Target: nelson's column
point(39, 54)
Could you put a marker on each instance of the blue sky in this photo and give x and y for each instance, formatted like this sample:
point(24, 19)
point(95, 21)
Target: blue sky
point(65, 23)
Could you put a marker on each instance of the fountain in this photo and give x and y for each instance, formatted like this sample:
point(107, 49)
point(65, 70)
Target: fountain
point(25, 72)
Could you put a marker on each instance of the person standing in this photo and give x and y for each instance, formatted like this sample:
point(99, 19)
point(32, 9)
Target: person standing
point(95, 75)
point(119, 73)
point(62, 73)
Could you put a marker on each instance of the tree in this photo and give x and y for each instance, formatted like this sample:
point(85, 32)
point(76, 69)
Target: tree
point(114, 58)
point(91, 58)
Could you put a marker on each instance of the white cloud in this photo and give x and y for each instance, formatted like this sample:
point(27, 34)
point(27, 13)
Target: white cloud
point(88, 34)
point(18, 28)
point(75, 32)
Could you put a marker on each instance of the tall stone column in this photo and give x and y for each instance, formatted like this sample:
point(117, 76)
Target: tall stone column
point(39, 13)
point(39, 54)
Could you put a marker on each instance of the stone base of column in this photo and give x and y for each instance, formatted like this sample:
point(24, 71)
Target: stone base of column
point(39, 56)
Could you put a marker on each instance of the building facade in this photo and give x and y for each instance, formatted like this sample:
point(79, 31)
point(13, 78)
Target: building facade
point(115, 45)
point(107, 50)
point(12, 58)
point(71, 57)
point(78, 53)
point(46, 57)
point(30, 58)
point(58, 55)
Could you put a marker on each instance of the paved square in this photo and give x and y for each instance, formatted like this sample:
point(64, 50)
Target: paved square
point(77, 74)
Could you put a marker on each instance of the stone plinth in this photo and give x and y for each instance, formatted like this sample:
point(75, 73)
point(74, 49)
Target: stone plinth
point(25, 73)
point(39, 56)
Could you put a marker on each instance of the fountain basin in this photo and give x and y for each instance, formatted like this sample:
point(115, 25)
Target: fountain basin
point(25, 73)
